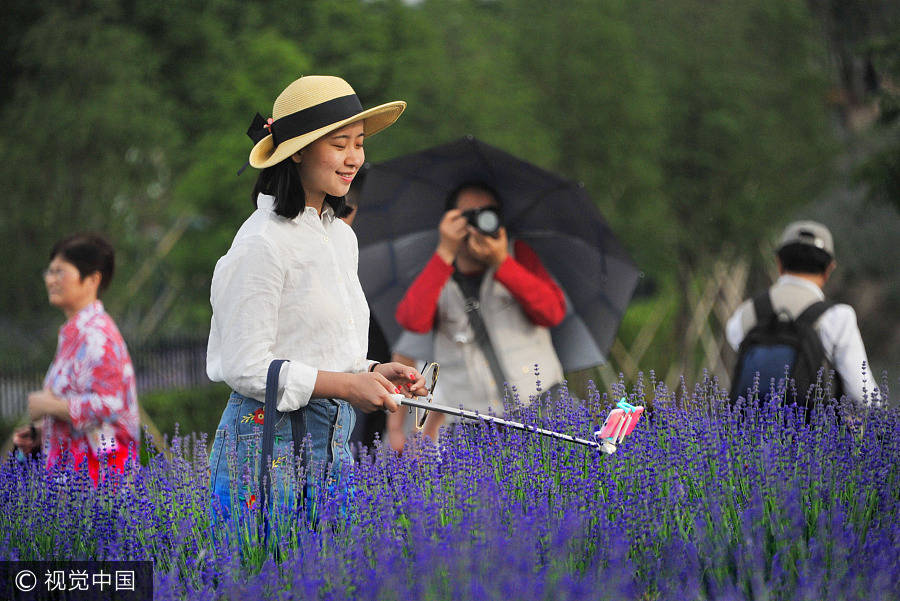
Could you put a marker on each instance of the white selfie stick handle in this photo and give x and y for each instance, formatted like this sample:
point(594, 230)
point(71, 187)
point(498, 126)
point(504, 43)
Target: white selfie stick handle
point(623, 427)
point(425, 403)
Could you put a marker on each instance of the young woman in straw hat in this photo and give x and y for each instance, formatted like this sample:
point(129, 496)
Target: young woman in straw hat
point(288, 289)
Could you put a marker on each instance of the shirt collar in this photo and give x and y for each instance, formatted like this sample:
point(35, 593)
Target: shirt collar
point(797, 281)
point(266, 202)
point(79, 319)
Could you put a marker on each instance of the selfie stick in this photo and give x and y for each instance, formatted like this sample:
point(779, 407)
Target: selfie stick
point(607, 444)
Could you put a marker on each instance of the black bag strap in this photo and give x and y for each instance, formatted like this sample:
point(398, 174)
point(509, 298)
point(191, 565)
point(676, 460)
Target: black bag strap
point(762, 307)
point(271, 415)
point(473, 311)
point(813, 312)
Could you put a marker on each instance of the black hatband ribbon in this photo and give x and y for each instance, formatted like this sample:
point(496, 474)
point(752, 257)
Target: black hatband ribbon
point(303, 122)
point(314, 117)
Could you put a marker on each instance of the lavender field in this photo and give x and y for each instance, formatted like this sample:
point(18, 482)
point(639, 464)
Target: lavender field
point(701, 502)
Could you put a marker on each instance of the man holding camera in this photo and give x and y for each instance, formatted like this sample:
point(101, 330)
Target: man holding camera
point(489, 304)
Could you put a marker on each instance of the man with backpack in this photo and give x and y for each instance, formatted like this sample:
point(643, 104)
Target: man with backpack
point(791, 329)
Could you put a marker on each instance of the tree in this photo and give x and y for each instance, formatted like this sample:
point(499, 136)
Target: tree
point(597, 112)
point(747, 133)
point(89, 147)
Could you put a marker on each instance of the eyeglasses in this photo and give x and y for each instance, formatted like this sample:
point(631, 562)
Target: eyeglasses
point(55, 273)
point(430, 373)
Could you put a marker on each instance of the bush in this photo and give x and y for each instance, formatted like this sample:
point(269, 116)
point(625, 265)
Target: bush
point(195, 410)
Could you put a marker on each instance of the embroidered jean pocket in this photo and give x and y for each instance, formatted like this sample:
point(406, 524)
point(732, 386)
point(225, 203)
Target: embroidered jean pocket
point(251, 418)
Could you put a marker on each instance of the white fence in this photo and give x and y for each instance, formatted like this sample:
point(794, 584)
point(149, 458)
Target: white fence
point(167, 365)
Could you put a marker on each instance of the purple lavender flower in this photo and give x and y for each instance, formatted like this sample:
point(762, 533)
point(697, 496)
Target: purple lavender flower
point(704, 501)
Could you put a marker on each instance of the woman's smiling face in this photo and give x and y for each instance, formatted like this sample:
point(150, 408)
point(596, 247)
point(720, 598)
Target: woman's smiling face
point(328, 165)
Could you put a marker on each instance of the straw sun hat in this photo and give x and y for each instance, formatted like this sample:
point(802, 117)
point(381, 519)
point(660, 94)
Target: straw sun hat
point(306, 110)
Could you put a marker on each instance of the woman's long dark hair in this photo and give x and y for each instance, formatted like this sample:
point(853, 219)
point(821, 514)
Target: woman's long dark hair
point(282, 181)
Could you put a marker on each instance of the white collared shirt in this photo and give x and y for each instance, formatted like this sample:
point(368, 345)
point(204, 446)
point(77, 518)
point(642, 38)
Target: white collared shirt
point(287, 289)
point(840, 338)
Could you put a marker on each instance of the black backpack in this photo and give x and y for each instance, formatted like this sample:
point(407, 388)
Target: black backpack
point(776, 345)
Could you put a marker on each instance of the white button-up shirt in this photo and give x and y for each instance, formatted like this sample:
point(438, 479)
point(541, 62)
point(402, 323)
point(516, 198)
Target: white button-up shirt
point(287, 289)
point(840, 338)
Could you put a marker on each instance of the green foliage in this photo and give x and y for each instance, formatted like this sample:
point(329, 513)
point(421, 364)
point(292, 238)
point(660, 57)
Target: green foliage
point(881, 171)
point(89, 149)
point(600, 103)
point(747, 136)
point(197, 410)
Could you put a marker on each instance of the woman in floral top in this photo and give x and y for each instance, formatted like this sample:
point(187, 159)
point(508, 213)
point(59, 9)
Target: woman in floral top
point(89, 400)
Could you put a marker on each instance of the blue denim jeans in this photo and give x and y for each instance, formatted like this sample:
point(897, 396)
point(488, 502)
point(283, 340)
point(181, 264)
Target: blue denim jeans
point(323, 428)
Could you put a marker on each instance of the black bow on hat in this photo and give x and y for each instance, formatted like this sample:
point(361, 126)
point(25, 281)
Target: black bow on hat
point(259, 129)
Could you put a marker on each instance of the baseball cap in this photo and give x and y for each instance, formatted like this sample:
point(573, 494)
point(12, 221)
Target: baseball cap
point(811, 233)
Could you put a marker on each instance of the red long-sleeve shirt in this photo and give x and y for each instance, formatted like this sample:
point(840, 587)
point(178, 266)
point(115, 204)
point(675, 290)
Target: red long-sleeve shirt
point(522, 274)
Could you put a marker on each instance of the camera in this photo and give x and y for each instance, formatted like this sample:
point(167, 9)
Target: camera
point(486, 220)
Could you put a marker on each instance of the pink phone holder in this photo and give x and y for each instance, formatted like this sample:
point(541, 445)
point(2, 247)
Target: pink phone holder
point(619, 423)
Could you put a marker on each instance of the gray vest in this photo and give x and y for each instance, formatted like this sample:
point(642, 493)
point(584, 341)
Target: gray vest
point(466, 377)
point(788, 299)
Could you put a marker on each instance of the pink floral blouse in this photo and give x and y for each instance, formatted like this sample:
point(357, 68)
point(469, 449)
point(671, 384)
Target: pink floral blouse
point(93, 372)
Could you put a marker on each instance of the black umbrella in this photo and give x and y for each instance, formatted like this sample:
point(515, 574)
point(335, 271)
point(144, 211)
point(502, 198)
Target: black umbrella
point(402, 202)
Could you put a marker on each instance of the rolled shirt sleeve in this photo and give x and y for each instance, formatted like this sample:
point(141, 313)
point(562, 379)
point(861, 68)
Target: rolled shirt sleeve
point(246, 296)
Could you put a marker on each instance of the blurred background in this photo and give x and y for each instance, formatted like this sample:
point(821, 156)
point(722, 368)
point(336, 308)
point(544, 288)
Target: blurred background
point(699, 128)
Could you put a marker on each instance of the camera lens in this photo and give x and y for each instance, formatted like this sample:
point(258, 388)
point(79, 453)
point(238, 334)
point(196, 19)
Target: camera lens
point(488, 221)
